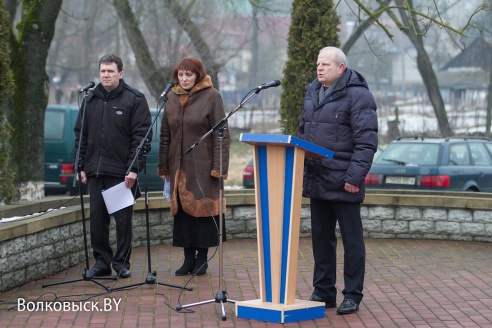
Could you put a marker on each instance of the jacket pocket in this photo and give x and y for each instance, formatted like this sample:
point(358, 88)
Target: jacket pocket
point(332, 173)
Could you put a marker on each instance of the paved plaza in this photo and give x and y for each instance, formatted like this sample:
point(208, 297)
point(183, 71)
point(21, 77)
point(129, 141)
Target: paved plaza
point(409, 283)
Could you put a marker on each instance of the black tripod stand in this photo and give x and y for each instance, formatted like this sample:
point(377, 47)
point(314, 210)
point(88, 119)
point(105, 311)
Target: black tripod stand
point(87, 275)
point(221, 295)
point(151, 276)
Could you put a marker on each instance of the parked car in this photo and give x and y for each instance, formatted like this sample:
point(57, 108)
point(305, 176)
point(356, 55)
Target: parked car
point(454, 164)
point(249, 172)
point(59, 151)
point(249, 175)
point(378, 153)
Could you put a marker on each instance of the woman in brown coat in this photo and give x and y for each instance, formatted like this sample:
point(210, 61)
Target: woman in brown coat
point(193, 108)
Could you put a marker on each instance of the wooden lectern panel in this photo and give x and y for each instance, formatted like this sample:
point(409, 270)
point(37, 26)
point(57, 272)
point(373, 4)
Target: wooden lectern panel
point(278, 170)
point(278, 175)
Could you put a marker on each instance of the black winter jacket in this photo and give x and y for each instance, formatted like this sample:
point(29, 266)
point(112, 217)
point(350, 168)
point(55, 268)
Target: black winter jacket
point(112, 131)
point(346, 123)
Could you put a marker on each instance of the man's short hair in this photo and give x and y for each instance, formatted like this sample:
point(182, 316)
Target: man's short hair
point(108, 59)
point(338, 55)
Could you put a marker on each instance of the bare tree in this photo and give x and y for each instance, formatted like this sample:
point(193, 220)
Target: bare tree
point(152, 76)
point(363, 25)
point(414, 24)
point(197, 38)
point(485, 30)
point(424, 64)
point(7, 189)
point(80, 42)
point(29, 48)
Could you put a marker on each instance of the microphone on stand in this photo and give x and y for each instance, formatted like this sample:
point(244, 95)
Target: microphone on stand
point(89, 85)
point(274, 83)
point(166, 90)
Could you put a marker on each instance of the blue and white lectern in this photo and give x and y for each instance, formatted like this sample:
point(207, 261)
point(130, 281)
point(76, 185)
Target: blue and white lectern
point(278, 170)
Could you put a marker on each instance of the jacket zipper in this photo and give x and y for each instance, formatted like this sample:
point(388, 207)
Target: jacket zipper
point(102, 136)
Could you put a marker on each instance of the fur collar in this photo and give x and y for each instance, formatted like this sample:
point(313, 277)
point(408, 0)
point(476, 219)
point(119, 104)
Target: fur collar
point(184, 95)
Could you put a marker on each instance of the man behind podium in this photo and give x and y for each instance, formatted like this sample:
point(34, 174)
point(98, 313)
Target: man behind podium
point(339, 113)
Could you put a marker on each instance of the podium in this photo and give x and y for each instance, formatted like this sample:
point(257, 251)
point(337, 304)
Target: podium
point(278, 171)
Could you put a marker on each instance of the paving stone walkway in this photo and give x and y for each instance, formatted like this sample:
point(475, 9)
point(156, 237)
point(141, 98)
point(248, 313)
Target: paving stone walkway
point(409, 283)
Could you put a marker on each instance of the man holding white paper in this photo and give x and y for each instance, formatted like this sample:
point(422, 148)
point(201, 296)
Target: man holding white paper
point(117, 118)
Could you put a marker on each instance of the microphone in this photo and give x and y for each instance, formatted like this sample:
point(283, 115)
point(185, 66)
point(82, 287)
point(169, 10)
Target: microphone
point(89, 85)
point(274, 83)
point(166, 90)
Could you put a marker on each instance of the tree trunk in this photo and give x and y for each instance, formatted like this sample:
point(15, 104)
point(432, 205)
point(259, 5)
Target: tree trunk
point(151, 75)
point(252, 79)
point(195, 34)
point(362, 27)
point(488, 117)
point(430, 81)
point(426, 70)
point(29, 54)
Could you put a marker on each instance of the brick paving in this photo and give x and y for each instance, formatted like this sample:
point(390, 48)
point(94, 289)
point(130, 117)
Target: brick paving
point(409, 283)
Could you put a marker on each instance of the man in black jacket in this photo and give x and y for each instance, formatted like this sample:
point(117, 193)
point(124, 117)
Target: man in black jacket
point(339, 113)
point(117, 117)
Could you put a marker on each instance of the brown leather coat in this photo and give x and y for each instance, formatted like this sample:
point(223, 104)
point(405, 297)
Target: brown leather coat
point(194, 176)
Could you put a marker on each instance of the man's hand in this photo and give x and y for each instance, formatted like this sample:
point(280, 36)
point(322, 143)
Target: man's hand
point(130, 179)
point(351, 188)
point(82, 176)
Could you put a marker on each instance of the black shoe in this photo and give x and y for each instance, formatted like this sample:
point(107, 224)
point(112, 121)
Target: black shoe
point(329, 304)
point(186, 268)
point(97, 272)
point(348, 306)
point(123, 273)
point(200, 268)
point(201, 264)
point(189, 262)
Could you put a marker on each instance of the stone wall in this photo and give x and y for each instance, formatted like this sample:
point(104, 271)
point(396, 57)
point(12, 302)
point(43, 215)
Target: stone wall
point(52, 241)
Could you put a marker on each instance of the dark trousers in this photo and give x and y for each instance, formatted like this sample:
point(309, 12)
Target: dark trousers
point(100, 219)
point(324, 216)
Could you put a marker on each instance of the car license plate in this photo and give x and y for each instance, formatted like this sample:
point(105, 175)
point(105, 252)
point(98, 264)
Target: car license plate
point(400, 180)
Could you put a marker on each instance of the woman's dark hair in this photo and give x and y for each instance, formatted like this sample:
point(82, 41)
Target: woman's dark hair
point(190, 64)
point(108, 59)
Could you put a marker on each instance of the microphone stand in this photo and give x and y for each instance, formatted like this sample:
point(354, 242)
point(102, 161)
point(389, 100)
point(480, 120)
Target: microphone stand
point(221, 295)
point(87, 275)
point(151, 276)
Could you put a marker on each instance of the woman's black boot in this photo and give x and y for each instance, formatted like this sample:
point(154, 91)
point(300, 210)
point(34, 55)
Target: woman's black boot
point(189, 262)
point(201, 264)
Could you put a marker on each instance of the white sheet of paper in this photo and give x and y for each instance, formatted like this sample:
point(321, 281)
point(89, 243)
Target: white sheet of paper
point(118, 197)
